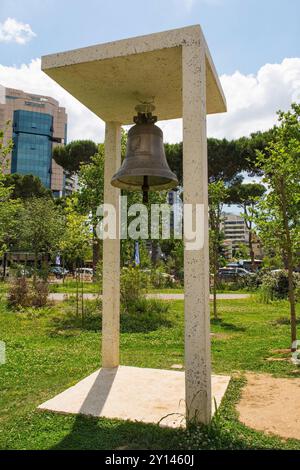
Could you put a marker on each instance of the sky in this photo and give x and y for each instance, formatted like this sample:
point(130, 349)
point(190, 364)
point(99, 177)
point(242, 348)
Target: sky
point(255, 45)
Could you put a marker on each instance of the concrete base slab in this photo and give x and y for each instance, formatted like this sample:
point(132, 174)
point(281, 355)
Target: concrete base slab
point(132, 393)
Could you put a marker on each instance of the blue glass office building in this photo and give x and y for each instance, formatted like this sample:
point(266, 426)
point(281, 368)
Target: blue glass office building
point(32, 151)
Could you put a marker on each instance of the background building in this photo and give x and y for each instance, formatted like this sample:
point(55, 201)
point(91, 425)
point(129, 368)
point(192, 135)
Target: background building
point(37, 124)
point(235, 233)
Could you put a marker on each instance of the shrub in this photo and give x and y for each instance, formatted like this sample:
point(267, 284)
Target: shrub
point(133, 286)
point(19, 293)
point(250, 283)
point(40, 291)
point(145, 315)
point(160, 279)
point(23, 293)
point(275, 285)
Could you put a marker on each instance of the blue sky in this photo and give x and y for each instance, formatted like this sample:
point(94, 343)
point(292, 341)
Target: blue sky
point(255, 45)
point(242, 34)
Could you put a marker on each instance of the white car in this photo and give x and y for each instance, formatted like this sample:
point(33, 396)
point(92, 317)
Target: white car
point(87, 271)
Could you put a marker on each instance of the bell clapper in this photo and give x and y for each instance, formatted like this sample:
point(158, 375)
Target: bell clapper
point(145, 189)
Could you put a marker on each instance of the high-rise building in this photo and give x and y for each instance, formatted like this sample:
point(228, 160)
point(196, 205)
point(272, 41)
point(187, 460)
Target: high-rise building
point(36, 124)
point(235, 232)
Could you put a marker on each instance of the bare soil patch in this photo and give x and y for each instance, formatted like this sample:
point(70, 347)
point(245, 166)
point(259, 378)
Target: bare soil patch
point(271, 405)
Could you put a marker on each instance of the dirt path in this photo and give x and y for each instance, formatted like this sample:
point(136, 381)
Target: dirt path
point(271, 405)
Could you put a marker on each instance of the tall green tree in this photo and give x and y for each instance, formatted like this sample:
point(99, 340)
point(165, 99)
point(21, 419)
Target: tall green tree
point(247, 148)
point(227, 159)
point(26, 186)
point(40, 229)
point(90, 196)
point(6, 146)
point(75, 241)
point(217, 196)
point(277, 215)
point(246, 196)
point(74, 154)
point(8, 208)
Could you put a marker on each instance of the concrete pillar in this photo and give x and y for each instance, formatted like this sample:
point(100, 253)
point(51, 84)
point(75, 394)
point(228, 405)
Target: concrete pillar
point(111, 253)
point(196, 262)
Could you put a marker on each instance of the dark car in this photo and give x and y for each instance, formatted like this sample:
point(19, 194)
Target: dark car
point(58, 271)
point(233, 273)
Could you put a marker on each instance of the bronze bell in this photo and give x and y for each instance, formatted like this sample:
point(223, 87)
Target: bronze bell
point(145, 166)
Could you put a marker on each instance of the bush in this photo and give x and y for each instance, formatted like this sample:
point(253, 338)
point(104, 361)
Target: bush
point(23, 293)
point(275, 285)
point(161, 280)
point(40, 291)
point(133, 286)
point(19, 293)
point(145, 315)
point(250, 283)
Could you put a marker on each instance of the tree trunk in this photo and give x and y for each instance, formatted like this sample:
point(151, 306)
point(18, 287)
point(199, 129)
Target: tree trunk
point(292, 308)
point(251, 251)
point(215, 295)
point(216, 273)
point(63, 266)
point(4, 265)
point(35, 265)
point(96, 252)
point(290, 267)
point(77, 289)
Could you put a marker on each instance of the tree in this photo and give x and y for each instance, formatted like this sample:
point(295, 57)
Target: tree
point(5, 146)
point(174, 153)
point(277, 213)
point(217, 195)
point(74, 154)
point(246, 195)
point(74, 243)
point(224, 161)
point(227, 159)
point(90, 196)
point(247, 148)
point(26, 186)
point(8, 207)
point(40, 229)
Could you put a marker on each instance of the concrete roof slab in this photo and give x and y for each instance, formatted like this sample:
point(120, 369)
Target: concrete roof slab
point(110, 79)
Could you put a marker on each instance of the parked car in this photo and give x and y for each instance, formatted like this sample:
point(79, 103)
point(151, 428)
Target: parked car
point(246, 264)
point(233, 273)
point(58, 271)
point(84, 271)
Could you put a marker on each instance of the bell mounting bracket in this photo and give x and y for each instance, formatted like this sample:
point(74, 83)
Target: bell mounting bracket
point(144, 114)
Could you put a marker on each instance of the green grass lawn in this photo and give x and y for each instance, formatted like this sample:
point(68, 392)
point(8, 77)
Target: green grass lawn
point(48, 350)
point(70, 287)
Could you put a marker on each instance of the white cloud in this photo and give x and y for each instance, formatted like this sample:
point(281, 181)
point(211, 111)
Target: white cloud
point(15, 31)
point(252, 100)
